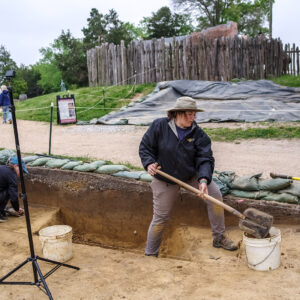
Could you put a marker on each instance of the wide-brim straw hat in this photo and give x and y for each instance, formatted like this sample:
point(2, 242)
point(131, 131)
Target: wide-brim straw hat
point(185, 104)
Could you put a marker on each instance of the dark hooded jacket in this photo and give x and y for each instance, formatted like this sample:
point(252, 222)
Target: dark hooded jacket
point(183, 159)
point(4, 98)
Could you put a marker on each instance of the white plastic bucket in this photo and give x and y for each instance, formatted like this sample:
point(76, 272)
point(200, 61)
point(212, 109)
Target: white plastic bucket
point(263, 254)
point(57, 242)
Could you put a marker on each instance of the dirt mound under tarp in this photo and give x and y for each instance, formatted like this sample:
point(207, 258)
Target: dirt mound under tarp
point(244, 101)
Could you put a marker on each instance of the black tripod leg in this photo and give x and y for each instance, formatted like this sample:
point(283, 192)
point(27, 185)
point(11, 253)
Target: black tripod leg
point(43, 280)
point(58, 263)
point(14, 270)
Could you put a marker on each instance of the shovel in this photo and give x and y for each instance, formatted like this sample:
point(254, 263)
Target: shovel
point(273, 175)
point(252, 221)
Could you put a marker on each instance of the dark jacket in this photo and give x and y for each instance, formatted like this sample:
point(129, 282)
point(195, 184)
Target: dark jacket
point(183, 159)
point(4, 98)
point(9, 183)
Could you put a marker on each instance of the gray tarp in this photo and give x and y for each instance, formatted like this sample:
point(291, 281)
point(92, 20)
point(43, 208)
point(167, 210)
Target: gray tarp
point(245, 101)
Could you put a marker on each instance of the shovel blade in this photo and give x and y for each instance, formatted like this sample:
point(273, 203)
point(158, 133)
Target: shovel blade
point(257, 223)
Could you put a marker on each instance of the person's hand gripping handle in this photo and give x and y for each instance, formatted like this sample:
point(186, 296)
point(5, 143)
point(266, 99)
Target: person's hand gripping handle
point(152, 168)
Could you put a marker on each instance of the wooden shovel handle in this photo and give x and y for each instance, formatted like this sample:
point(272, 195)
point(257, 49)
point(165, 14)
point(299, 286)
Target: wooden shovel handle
point(198, 193)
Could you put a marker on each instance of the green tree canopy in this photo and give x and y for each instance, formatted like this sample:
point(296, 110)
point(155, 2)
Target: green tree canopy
point(107, 28)
point(251, 16)
point(6, 62)
point(164, 23)
point(31, 76)
point(70, 58)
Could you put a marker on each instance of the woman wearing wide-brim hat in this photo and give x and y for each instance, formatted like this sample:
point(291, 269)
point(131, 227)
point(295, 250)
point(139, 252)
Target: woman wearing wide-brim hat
point(178, 146)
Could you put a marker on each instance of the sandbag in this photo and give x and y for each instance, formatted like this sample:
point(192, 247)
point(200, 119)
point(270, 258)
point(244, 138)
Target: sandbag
point(274, 184)
point(293, 189)
point(56, 163)
point(5, 155)
point(71, 164)
point(246, 183)
point(222, 186)
point(249, 194)
point(128, 174)
point(146, 177)
point(226, 177)
point(98, 163)
point(110, 169)
point(39, 162)
point(283, 197)
point(29, 159)
point(265, 195)
point(89, 167)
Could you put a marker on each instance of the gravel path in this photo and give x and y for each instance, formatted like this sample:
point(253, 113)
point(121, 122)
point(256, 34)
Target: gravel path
point(119, 144)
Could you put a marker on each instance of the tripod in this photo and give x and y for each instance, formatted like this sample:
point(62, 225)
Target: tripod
point(41, 281)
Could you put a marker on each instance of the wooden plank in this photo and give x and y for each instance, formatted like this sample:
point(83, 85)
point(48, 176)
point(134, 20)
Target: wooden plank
point(99, 59)
point(297, 53)
point(119, 65)
point(205, 59)
point(123, 64)
point(294, 60)
point(163, 59)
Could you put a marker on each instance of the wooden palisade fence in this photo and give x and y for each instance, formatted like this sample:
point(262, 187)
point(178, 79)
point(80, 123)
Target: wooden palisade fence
point(294, 54)
point(192, 57)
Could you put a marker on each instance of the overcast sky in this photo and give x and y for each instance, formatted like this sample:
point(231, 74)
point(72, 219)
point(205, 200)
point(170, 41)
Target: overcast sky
point(28, 25)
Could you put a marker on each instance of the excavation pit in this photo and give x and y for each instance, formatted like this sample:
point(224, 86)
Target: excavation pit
point(115, 212)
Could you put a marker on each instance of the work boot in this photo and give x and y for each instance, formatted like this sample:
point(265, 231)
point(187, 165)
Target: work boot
point(154, 255)
point(3, 218)
point(10, 121)
point(11, 212)
point(224, 242)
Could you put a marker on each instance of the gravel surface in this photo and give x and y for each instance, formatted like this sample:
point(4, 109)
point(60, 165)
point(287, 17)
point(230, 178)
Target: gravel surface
point(120, 144)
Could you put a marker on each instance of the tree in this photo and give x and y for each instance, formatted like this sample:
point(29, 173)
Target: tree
point(19, 87)
point(165, 24)
point(50, 75)
point(6, 63)
point(107, 28)
point(250, 16)
point(31, 76)
point(96, 29)
point(70, 58)
point(118, 30)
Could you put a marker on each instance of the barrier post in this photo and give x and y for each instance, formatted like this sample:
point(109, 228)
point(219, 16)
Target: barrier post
point(103, 93)
point(50, 135)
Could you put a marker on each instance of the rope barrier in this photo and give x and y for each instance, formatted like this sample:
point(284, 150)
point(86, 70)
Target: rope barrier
point(207, 110)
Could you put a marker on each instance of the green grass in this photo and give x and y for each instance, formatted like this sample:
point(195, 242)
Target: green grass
point(272, 132)
point(89, 102)
point(287, 80)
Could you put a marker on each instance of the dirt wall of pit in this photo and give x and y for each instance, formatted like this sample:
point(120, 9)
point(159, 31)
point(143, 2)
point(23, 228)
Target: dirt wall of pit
point(116, 212)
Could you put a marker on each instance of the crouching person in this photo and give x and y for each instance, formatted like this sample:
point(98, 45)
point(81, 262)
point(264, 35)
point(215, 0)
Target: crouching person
point(9, 187)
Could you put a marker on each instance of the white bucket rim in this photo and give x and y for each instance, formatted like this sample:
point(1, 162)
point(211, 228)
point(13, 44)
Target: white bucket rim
point(51, 232)
point(275, 237)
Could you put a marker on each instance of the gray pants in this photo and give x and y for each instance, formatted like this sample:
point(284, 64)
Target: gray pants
point(164, 197)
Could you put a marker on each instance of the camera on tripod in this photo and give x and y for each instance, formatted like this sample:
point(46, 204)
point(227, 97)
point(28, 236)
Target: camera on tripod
point(10, 74)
